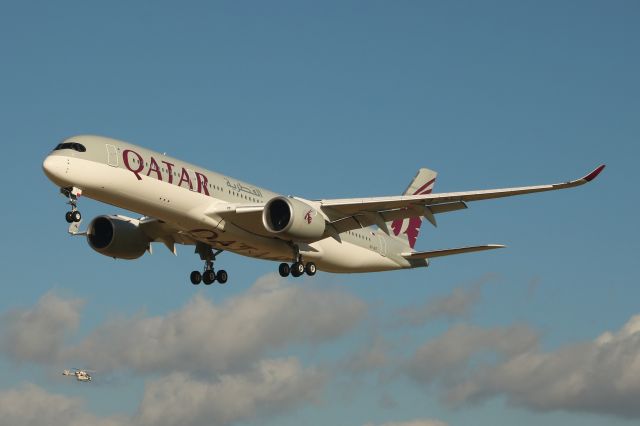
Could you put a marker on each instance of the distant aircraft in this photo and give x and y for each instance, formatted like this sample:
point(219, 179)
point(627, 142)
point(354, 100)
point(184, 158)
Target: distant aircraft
point(80, 374)
point(186, 204)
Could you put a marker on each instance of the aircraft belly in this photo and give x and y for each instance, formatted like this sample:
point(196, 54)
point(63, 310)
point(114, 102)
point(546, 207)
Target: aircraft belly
point(345, 257)
point(241, 242)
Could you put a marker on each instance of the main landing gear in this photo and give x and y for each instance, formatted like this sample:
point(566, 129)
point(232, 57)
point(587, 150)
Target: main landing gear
point(209, 275)
point(72, 194)
point(298, 268)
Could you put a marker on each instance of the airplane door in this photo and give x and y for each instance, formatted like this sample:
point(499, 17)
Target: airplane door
point(112, 156)
point(382, 245)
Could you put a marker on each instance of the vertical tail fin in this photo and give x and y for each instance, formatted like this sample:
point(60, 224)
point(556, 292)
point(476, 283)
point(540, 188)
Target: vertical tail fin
point(408, 229)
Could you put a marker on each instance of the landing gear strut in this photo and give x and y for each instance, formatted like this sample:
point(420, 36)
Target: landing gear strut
point(208, 275)
point(298, 268)
point(72, 194)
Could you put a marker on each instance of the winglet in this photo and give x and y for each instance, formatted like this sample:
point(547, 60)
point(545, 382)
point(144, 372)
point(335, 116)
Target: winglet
point(591, 176)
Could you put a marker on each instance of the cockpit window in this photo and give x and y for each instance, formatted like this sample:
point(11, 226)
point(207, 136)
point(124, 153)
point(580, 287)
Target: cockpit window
point(71, 145)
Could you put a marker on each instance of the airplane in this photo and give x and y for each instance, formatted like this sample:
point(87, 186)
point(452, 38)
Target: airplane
point(80, 374)
point(182, 203)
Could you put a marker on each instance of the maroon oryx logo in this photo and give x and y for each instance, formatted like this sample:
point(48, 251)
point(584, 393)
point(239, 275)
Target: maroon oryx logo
point(308, 217)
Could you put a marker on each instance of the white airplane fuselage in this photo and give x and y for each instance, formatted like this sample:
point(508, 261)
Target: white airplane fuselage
point(187, 197)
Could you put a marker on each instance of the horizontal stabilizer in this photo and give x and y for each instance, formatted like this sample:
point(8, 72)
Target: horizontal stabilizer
point(449, 252)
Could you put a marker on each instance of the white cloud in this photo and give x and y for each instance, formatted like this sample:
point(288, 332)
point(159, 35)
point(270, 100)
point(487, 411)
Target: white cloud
point(208, 356)
point(372, 357)
point(208, 338)
point(449, 354)
point(418, 422)
point(458, 304)
point(269, 388)
point(30, 405)
point(601, 376)
point(471, 364)
point(37, 334)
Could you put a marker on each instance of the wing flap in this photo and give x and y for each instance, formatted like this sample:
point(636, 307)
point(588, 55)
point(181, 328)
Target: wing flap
point(449, 252)
point(364, 219)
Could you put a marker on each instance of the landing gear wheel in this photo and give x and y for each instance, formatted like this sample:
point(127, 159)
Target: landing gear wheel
point(222, 276)
point(76, 216)
point(284, 269)
point(208, 277)
point(196, 277)
point(310, 269)
point(69, 217)
point(297, 269)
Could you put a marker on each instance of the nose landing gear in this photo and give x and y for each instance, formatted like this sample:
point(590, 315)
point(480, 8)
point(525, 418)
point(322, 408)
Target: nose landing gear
point(209, 275)
point(73, 216)
point(72, 194)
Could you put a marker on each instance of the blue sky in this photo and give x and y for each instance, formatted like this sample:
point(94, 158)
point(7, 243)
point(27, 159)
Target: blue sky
point(328, 100)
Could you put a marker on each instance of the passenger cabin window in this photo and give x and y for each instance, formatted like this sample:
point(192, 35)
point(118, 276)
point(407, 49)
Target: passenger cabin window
point(71, 145)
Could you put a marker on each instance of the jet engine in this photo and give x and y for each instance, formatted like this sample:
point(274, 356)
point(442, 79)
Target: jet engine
point(117, 236)
point(293, 219)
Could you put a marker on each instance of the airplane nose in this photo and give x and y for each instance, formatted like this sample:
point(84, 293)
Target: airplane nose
point(54, 167)
point(48, 166)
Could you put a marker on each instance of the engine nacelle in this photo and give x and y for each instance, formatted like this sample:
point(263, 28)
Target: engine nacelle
point(293, 219)
point(117, 236)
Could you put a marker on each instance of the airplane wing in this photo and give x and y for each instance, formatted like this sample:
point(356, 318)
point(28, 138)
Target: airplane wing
point(351, 213)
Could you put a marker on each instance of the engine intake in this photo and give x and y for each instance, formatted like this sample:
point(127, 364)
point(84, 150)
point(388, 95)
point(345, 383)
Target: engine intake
point(117, 237)
point(290, 218)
